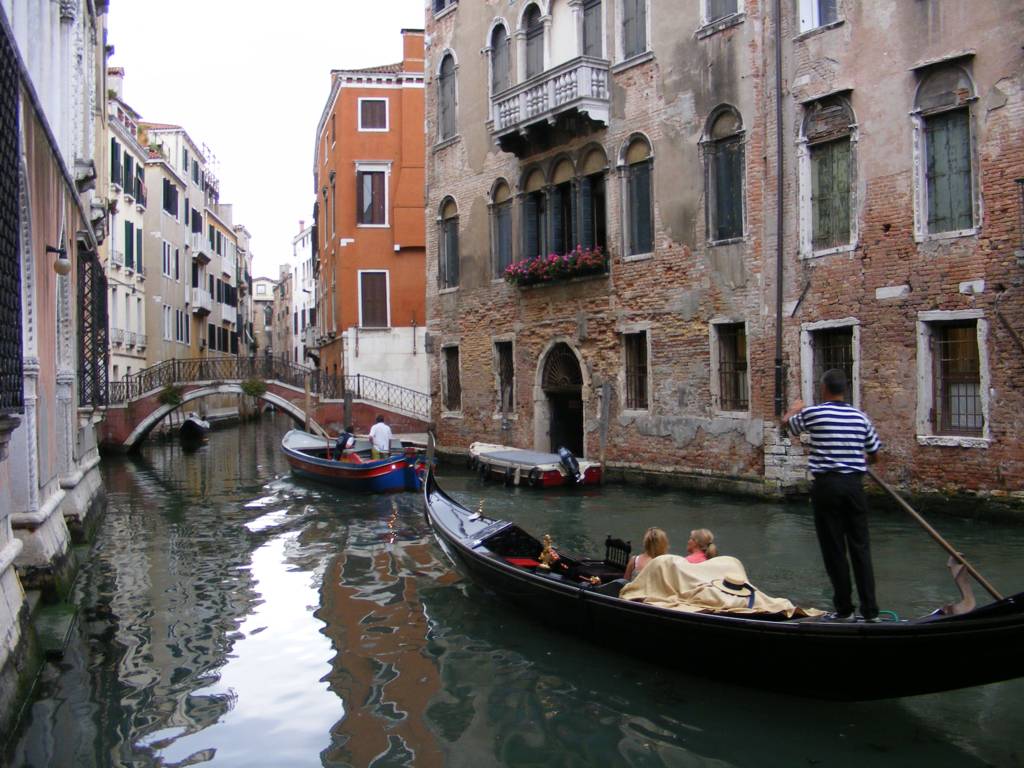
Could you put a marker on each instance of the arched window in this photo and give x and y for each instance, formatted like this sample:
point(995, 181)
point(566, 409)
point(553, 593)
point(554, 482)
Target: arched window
point(448, 245)
point(827, 131)
point(500, 79)
point(592, 206)
point(944, 119)
point(446, 98)
point(638, 163)
point(534, 41)
point(723, 178)
point(534, 216)
point(501, 227)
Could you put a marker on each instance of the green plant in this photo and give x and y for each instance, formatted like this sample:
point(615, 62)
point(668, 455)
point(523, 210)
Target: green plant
point(170, 395)
point(254, 387)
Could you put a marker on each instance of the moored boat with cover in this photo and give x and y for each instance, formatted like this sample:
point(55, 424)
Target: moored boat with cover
point(776, 649)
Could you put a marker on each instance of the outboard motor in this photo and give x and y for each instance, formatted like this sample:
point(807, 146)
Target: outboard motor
point(570, 464)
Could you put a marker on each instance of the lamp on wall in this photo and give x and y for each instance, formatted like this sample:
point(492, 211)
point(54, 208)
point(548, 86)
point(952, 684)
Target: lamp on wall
point(62, 264)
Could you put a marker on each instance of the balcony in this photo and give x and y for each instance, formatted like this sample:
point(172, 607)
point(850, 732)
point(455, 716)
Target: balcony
point(140, 341)
point(200, 247)
point(228, 314)
point(201, 302)
point(116, 259)
point(129, 338)
point(529, 113)
point(140, 196)
point(228, 265)
point(116, 336)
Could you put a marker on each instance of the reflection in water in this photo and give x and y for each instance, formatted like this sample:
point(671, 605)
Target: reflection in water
point(234, 616)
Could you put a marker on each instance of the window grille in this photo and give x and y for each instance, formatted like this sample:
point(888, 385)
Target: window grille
point(92, 331)
point(833, 348)
point(11, 379)
point(452, 383)
point(957, 380)
point(732, 367)
point(636, 370)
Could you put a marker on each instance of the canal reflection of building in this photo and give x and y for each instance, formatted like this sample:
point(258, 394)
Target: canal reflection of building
point(383, 669)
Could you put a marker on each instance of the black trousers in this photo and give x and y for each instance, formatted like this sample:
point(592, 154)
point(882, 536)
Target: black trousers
point(841, 520)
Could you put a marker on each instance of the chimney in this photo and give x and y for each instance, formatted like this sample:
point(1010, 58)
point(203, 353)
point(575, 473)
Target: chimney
point(412, 50)
point(115, 80)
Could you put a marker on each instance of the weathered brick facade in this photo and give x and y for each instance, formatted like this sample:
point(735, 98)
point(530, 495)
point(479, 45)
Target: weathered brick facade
point(878, 287)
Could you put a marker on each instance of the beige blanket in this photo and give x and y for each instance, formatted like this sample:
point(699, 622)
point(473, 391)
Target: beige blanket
point(718, 585)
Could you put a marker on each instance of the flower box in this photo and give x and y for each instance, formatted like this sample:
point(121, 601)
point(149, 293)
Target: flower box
point(557, 267)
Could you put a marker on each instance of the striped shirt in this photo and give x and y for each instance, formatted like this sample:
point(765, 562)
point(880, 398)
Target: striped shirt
point(840, 435)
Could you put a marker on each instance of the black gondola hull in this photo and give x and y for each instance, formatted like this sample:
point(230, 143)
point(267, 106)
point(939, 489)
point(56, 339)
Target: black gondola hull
point(806, 657)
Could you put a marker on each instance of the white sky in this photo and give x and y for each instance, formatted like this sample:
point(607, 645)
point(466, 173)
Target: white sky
point(251, 84)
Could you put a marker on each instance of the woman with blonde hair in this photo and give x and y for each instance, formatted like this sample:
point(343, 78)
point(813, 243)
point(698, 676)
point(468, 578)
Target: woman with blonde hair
point(655, 543)
point(701, 546)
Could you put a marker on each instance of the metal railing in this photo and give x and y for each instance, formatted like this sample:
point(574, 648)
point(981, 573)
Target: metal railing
point(393, 395)
point(221, 369)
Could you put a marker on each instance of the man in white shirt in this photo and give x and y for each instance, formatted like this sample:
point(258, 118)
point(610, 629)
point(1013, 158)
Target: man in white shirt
point(380, 439)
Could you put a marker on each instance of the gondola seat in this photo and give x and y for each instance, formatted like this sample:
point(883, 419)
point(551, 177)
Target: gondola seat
point(616, 557)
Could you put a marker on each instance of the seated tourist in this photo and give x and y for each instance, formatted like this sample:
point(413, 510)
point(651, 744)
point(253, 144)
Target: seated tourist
point(701, 546)
point(655, 543)
point(346, 441)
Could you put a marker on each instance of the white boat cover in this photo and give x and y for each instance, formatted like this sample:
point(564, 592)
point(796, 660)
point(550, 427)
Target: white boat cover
point(506, 456)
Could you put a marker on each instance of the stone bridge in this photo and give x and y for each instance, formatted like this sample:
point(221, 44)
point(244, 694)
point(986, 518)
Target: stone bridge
point(138, 403)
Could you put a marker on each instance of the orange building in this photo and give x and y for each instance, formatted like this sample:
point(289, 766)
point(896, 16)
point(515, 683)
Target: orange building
point(369, 240)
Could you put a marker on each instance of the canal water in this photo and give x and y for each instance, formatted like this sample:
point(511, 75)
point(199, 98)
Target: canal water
point(233, 615)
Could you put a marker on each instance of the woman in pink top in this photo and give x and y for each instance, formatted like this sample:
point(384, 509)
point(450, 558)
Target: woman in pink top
point(701, 546)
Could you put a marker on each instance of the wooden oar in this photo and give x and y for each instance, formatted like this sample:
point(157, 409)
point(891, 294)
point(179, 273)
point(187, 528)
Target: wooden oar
point(937, 536)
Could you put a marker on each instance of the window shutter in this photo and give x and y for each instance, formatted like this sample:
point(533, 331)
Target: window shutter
point(504, 236)
point(375, 299)
point(557, 223)
point(640, 208)
point(841, 192)
point(531, 244)
point(586, 213)
point(949, 172)
point(499, 62)
point(451, 252)
point(138, 249)
point(377, 214)
point(592, 29)
point(728, 189)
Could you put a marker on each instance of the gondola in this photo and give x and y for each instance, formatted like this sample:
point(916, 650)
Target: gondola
point(313, 457)
point(807, 656)
point(193, 429)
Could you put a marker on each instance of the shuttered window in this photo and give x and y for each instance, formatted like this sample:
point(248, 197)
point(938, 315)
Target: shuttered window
point(562, 218)
point(446, 99)
point(138, 250)
point(502, 236)
point(129, 245)
point(373, 114)
point(592, 29)
point(115, 162)
point(499, 61)
point(450, 252)
point(373, 297)
point(592, 211)
point(636, 370)
point(724, 157)
point(452, 382)
point(534, 224)
point(634, 27)
point(170, 201)
point(641, 220)
point(830, 194)
point(719, 9)
point(370, 197)
point(506, 375)
point(534, 42)
point(948, 147)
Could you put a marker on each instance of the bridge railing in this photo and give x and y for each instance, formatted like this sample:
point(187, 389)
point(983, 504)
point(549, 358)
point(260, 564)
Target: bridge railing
point(384, 392)
point(321, 383)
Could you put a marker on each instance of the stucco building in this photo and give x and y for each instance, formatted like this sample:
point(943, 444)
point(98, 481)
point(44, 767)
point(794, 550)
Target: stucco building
point(303, 287)
point(53, 321)
point(263, 314)
point(122, 250)
point(709, 260)
point(369, 252)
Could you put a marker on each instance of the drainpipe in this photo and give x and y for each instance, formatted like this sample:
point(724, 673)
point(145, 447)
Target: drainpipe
point(779, 220)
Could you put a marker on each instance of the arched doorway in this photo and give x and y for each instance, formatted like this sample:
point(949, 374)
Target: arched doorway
point(562, 385)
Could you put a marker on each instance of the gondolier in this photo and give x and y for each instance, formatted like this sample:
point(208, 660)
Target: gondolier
point(840, 435)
